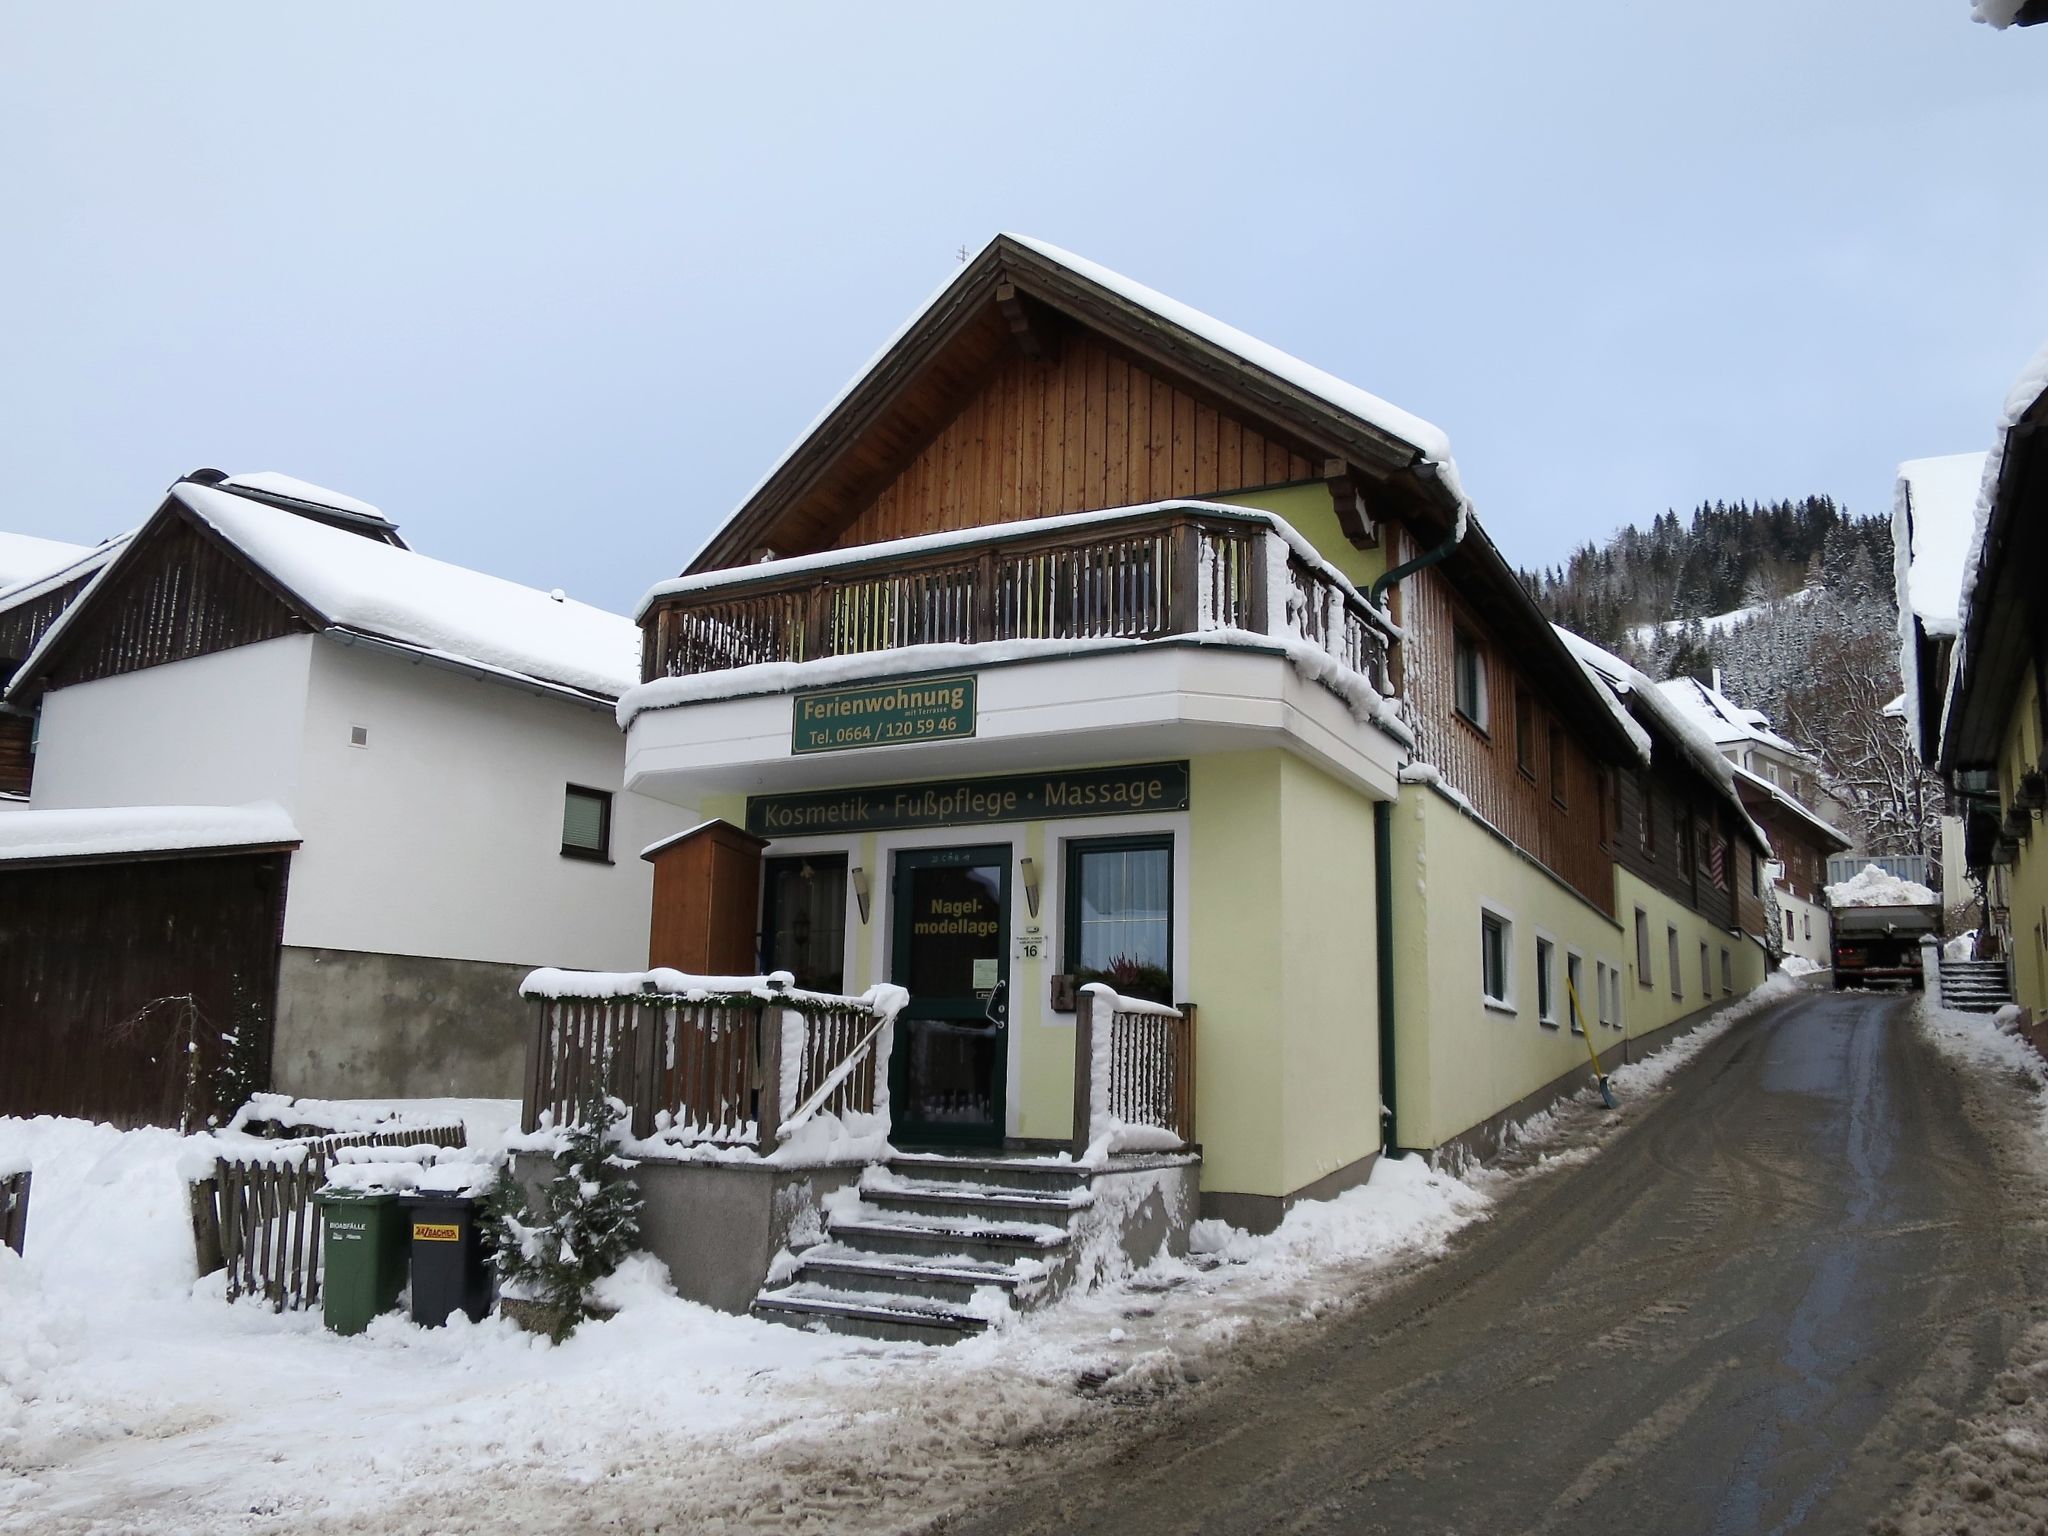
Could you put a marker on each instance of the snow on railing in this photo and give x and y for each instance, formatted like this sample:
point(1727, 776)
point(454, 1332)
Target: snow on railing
point(1127, 574)
point(1134, 1074)
point(735, 1062)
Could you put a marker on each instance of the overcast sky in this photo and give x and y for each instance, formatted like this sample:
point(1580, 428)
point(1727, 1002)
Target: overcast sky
point(554, 285)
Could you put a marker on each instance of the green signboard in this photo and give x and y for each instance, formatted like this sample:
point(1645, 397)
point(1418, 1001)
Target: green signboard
point(974, 802)
point(883, 714)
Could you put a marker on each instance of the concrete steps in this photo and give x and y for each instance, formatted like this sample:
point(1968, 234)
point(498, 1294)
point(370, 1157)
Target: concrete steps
point(1974, 986)
point(937, 1249)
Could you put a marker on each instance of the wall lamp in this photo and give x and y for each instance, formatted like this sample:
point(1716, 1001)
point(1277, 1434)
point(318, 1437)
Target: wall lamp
point(1028, 868)
point(859, 877)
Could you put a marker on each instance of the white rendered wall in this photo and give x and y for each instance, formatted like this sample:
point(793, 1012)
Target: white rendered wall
point(442, 836)
point(1812, 931)
point(223, 729)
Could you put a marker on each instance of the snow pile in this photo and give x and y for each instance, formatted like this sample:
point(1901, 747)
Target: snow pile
point(278, 484)
point(1962, 947)
point(1797, 966)
point(393, 594)
point(425, 1170)
point(114, 830)
point(1872, 887)
point(25, 558)
point(1405, 1207)
point(2029, 387)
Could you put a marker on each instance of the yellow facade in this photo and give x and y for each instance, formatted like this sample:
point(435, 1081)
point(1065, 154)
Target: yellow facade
point(1458, 1058)
point(2027, 876)
point(1654, 998)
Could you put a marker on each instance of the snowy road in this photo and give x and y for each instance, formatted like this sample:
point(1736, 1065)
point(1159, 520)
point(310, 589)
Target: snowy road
point(1761, 1308)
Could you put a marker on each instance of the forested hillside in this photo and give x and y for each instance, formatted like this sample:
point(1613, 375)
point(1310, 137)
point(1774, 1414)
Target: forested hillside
point(1792, 601)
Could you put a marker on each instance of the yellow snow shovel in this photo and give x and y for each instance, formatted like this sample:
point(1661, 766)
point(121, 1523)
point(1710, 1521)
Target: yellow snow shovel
point(1599, 1077)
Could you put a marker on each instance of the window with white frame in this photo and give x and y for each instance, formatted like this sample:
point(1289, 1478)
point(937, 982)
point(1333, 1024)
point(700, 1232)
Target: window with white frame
point(1610, 996)
point(1643, 978)
point(1546, 983)
point(1496, 956)
point(1575, 975)
point(1677, 976)
point(1727, 972)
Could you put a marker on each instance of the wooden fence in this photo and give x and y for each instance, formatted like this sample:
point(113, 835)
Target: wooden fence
point(705, 1069)
point(14, 1209)
point(256, 1216)
point(1150, 1082)
point(1144, 576)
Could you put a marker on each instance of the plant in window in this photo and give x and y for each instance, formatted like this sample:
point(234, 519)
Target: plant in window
point(1131, 977)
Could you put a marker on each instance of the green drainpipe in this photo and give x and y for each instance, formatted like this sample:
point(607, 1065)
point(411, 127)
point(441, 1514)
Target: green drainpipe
point(1383, 912)
point(1383, 882)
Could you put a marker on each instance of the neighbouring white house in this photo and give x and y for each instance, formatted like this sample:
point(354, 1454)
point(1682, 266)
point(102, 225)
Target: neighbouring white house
point(428, 763)
point(1779, 784)
point(38, 580)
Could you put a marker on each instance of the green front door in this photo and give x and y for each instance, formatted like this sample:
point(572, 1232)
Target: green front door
point(950, 947)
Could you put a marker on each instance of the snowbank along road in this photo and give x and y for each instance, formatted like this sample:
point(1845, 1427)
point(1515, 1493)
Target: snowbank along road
point(1763, 1307)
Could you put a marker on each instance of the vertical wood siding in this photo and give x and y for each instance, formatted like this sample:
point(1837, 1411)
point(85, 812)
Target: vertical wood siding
point(110, 972)
point(1087, 431)
point(24, 624)
point(183, 596)
point(16, 765)
point(1569, 839)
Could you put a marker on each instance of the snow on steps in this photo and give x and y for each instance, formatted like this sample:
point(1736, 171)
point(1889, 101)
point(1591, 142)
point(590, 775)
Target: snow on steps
point(939, 1248)
point(1974, 986)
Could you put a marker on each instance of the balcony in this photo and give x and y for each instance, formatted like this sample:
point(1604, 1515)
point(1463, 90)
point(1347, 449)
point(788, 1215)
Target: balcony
point(1195, 624)
point(1144, 574)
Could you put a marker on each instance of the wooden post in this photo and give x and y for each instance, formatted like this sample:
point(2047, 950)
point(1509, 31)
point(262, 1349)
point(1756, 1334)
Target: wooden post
point(768, 1117)
point(1084, 1068)
point(1184, 592)
point(1265, 547)
point(985, 596)
point(536, 1065)
point(817, 621)
point(1186, 1084)
point(647, 1055)
point(206, 1224)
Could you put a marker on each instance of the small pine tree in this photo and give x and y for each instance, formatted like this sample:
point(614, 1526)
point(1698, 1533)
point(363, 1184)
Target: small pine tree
point(585, 1223)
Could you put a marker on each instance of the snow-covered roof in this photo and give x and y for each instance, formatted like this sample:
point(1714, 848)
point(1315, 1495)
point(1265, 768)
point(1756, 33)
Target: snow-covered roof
point(304, 490)
point(84, 564)
point(1630, 687)
point(25, 558)
point(396, 596)
point(1432, 445)
point(2027, 388)
point(1829, 833)
point(1725, 722)
point(112, 831)
point(1940, 497)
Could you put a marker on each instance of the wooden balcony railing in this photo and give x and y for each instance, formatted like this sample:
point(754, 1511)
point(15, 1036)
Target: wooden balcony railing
point(702, 1059)
point(1141, 575)
point(1134, 1073)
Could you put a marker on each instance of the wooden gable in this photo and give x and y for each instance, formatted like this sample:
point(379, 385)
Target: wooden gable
point(178, 591)
point(1028, 390)
point(1088, 428)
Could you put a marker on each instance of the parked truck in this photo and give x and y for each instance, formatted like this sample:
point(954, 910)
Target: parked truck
point(1882, 908)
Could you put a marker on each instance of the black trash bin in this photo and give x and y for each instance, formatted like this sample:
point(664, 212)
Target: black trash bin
point(449, 1272)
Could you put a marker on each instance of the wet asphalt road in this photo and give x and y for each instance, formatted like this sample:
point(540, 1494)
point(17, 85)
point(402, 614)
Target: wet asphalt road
point(1757, 1310)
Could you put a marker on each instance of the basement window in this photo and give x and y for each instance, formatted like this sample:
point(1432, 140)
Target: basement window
point(1546, 983)
point(1643, 977)
point(1677, 980)
point(1727, 973)
point(1706, 974)
point(587, 824)
point(1575, 993)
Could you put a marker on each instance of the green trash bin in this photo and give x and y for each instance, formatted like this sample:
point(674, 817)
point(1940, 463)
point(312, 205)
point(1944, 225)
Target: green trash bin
point(363, 1268)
